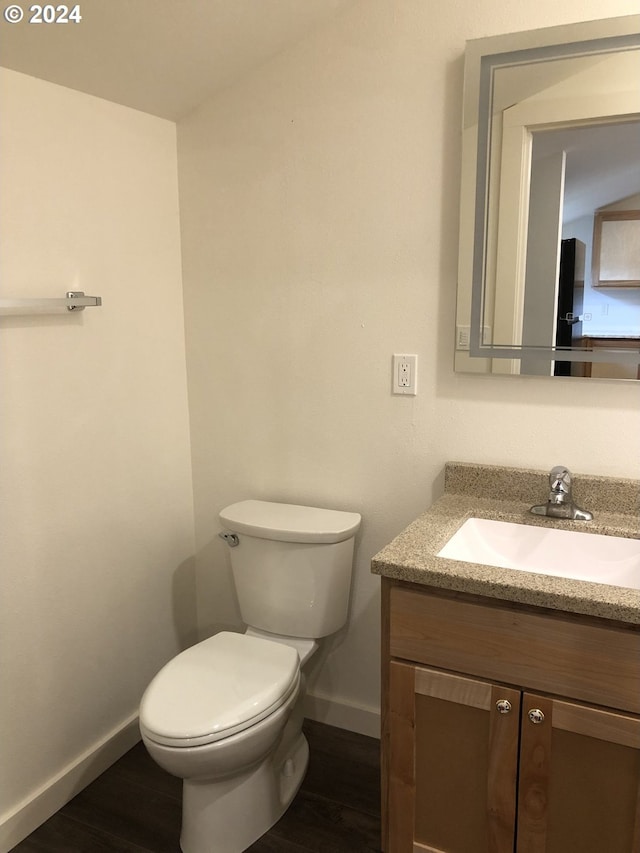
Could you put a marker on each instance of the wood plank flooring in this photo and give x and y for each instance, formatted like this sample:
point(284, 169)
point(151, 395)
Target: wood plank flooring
point(135, 806)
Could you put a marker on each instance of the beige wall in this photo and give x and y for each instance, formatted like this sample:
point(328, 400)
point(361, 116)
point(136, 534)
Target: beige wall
point(96, 499)
point(319, 209)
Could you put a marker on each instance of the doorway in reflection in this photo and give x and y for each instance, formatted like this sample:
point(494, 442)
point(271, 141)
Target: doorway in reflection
point(580, 176)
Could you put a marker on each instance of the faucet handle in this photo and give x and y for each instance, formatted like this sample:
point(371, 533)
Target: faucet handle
point(560, 480)
point(560, 503)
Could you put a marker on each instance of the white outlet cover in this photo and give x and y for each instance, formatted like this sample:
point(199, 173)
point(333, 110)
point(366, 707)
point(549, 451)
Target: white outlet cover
point(410, 363)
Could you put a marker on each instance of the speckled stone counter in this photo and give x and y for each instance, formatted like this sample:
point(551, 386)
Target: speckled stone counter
point(479, 491)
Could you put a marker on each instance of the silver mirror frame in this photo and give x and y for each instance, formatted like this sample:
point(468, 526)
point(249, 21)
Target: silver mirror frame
point(483, 58)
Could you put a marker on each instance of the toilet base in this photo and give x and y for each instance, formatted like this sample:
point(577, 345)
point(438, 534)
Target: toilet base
point(227, 816)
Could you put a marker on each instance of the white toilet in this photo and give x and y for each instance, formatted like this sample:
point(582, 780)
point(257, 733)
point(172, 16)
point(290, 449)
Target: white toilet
point(226, 714)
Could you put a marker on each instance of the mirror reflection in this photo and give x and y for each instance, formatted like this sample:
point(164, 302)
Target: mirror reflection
point(588, 171)
point(555, 222)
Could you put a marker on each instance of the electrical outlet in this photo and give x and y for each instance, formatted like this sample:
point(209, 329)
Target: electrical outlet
point(405, 374)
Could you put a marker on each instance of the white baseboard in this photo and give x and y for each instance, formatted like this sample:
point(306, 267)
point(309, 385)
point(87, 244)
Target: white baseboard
point(39, 806)
point(344, 715)
point(17, 824)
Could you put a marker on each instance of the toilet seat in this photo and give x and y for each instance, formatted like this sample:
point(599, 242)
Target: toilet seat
point(218, 688)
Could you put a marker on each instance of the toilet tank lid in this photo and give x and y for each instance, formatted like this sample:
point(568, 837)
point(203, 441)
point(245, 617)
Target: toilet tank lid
point(290, 523)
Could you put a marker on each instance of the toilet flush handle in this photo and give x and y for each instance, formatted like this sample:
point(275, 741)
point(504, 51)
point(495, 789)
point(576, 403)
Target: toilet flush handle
point(230, 538)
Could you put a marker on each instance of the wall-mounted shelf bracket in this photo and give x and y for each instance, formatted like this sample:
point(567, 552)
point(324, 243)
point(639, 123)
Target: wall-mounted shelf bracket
point(79, 301)
point(75, 300)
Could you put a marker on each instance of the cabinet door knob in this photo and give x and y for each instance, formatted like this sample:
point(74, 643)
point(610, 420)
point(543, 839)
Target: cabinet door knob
point(503, 706)
point(536, 716)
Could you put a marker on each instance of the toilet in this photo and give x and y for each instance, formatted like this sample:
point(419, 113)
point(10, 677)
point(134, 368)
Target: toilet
point(226, 714)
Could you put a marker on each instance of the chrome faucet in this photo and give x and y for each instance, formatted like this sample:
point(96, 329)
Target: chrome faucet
point(560, 503)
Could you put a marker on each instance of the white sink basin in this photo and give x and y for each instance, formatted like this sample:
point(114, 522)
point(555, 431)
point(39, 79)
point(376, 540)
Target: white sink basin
point(546, 550)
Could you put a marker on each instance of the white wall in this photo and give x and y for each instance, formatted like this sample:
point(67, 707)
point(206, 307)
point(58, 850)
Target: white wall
point(319, 208)
point(96, 501)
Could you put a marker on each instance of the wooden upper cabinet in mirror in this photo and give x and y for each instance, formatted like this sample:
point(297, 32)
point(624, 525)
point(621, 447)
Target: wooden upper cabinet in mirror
point(616, 248)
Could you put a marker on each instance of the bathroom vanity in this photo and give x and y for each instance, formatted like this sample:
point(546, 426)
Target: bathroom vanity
point(511, 700)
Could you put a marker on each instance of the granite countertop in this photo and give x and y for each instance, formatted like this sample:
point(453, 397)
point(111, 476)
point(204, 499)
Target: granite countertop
point(478, 491)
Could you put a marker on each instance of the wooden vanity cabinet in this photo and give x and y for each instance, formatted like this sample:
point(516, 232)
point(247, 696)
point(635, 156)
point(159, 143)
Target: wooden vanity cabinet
point(506, 729)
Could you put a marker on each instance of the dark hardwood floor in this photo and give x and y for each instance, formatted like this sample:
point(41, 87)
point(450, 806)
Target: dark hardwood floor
point(135, 806)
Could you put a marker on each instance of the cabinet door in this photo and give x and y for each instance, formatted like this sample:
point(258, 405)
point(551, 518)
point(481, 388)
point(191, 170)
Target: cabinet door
point(453, 751)
point(579, 779)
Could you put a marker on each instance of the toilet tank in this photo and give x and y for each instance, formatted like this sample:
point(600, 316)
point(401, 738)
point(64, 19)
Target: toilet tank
point(292, 566)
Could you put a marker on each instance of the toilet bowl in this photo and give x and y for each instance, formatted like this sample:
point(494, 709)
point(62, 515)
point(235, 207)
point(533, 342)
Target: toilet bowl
point(220, 717)
point(226, 715)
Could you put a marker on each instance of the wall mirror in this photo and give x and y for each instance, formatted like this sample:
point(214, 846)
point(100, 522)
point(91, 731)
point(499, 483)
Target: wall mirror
point(549, 265)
